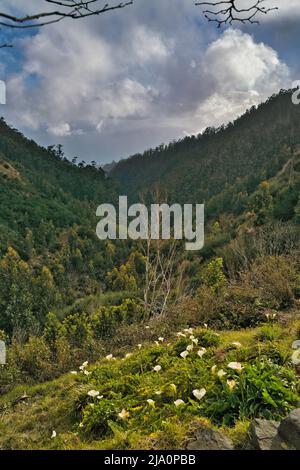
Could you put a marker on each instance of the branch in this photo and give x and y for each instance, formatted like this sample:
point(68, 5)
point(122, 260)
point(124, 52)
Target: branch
point(227, 11)
point(75, 9)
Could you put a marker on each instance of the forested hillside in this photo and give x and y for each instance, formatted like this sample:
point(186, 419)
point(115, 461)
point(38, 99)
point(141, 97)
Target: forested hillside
point(174, 336)
point(220, 167)
point(47, 227)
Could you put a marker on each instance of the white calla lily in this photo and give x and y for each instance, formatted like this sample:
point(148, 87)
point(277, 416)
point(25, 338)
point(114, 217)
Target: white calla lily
point(296, 357)
point(201, 352)
point(199, 394)
point(178, 402)
point(296, 344)
point(235, 366)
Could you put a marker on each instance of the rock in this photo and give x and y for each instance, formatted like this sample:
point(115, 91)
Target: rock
point(264, 435)
point(205, 438)
point(289, 429)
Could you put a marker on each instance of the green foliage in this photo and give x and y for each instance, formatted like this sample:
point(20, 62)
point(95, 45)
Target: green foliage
point(208, 338)
point(268, 333)
point(97, 417)
point(223, 166)
point(26, 296)
point(263, 389)
point(261, 203)
point(212, 274)
point(122, 278)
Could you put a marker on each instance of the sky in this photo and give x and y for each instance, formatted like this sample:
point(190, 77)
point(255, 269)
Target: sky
point(110, 86)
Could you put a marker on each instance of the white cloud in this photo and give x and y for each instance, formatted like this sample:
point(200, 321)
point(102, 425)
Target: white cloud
point(243, 74)
point(237, 63)
point(151, 70)
point(82, 78)
point(148, 47)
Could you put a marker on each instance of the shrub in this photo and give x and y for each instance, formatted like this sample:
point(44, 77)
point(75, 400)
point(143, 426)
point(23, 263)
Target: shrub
point(34, 358)
point(208, 339)
point(96, 417)
point(263, 389)
point(213, 276)
point(275, 278)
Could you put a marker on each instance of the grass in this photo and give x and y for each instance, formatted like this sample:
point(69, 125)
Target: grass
point(83, 422)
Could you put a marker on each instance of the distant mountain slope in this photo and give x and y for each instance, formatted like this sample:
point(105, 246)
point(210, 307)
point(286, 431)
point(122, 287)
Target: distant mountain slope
point(221, 163)
point(48, 210)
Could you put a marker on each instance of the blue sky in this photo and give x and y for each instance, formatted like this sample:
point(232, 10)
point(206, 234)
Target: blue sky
point(114, 85)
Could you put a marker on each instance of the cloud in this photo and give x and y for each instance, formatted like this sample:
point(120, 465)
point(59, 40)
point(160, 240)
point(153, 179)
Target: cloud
point(242, 73)
point(237, 63)
point(124, 82)
point(82, 79)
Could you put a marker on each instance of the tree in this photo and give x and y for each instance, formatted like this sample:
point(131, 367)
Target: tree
point(229, 11)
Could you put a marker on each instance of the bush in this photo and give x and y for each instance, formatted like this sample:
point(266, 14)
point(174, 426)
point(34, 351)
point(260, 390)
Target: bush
point(263, 390)
point(96, 417)
point(275, 278)
point(208, 339)
point(34, 358)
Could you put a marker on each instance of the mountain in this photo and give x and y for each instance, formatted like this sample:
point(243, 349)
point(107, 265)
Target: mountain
point(48, 213)
point(222, 166)
point(159, 340)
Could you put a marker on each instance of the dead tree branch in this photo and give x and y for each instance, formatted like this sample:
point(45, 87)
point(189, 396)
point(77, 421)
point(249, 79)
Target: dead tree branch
point(228, 11)
point(74, 9)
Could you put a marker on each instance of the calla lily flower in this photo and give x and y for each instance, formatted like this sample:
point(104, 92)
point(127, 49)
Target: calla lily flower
point(93, 393)
point(178, 402)
point(231, 384)
point(221, 373)
point(124, 414)
point(157, 368)
point(184, 354)
point(296, 357)
point(199, 394)
point(237, 344)
point(296, 344)
point(182, 335)
point(235, 366)
point(201, 352)
point(151, 403)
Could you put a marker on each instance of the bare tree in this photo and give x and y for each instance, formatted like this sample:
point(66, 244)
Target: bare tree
point(164, 268)
point(62, 9)
point(228, 11)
